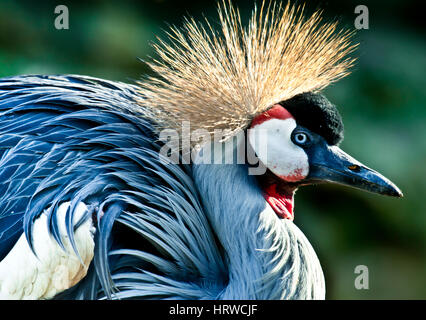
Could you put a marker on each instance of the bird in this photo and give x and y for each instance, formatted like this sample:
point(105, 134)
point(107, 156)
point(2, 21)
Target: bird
point(106, 194)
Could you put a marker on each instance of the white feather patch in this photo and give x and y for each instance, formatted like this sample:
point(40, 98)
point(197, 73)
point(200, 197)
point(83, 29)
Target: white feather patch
point(25, 276)
point(272, 142)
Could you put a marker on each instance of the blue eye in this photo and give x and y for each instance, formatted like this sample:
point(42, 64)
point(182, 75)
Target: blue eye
point(301, 138)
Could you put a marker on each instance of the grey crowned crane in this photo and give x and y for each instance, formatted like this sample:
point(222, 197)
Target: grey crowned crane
point(90, 207)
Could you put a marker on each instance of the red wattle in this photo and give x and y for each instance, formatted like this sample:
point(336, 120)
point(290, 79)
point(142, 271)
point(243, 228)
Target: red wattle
point(282, 204)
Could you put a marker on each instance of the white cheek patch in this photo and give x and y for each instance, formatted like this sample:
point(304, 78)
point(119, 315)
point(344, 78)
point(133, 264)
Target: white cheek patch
point(271, 140)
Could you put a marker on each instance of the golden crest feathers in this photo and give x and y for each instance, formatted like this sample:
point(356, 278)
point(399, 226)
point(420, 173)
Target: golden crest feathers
point(222, 79)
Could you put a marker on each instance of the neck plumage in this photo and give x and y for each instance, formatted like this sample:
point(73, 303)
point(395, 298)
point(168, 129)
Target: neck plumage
point(267, 257)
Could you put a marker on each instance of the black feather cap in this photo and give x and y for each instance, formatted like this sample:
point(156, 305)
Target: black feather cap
point(316, 113)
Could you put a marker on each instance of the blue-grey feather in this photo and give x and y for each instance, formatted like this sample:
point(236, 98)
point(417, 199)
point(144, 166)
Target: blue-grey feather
point(73, 139)
point(80, 139)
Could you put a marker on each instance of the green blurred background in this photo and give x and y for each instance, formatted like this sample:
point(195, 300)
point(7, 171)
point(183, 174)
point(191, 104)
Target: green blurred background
point(382, 103)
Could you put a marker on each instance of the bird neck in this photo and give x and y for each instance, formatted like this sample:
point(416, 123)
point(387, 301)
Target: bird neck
point(267, 257)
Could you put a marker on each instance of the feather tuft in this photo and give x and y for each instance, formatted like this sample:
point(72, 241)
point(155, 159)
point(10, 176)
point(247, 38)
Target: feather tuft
point(222, 79)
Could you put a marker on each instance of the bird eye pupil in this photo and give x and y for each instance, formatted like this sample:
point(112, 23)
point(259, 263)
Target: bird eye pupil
point(301, 137)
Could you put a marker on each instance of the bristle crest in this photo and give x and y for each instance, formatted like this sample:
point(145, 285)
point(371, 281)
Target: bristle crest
point(222, 79)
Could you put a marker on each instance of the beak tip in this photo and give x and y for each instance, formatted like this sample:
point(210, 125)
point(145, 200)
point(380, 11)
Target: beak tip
point(396, 192)
point(397, 195)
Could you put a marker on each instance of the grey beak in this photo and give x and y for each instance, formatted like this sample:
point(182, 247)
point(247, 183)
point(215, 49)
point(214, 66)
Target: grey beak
point(331, 164)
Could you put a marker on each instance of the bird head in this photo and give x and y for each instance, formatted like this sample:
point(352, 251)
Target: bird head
point(263, 79)
point(297, 141)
